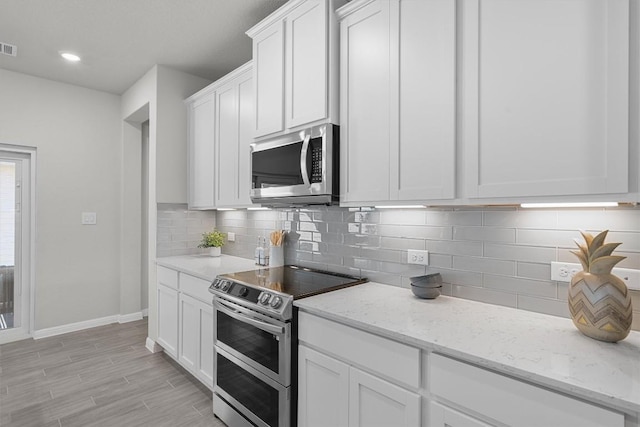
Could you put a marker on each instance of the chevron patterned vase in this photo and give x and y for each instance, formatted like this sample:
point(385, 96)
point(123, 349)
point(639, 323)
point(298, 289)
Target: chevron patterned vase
point(599, 301)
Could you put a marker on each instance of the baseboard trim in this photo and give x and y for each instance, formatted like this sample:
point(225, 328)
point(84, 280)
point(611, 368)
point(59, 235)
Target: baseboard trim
point(74, 327)
point(145, 312)
point(153, 346)
point(87, 324)
point(11, 335)
point(131, 317)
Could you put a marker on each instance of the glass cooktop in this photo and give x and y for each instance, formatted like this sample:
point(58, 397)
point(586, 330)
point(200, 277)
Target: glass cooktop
point(298, 282)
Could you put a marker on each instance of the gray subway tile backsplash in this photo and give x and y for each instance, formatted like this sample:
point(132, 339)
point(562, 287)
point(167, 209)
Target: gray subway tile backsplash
point(180, 230)
point(498, 255)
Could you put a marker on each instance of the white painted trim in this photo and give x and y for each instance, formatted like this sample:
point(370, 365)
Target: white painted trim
point(73, 327)
point(131, 317)
point(145, 312)
point(278, 15)
point(29, 271)
point(153, 346)
point(11, 335)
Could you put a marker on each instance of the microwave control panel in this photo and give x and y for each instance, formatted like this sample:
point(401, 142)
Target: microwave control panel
point(316, 160)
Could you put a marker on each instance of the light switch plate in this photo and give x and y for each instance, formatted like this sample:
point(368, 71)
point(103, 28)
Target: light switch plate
point(564, 271)
point(231, 237)
point(89, 218)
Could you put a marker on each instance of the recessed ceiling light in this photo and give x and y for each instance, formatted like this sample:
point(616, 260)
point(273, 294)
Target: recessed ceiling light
point(71, 57)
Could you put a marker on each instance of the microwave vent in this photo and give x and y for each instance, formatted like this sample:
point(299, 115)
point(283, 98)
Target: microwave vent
point(8, 49)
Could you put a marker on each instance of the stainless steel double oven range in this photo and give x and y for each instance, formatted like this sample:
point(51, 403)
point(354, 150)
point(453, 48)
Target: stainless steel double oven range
point(255, 339)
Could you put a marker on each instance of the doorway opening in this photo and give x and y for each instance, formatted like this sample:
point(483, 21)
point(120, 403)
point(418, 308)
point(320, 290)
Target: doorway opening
point(16, 224)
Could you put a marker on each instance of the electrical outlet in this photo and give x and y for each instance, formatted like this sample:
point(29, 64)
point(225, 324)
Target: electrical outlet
point(89, 218)
point(418, 257)
point(564, 271)
point(231, 237)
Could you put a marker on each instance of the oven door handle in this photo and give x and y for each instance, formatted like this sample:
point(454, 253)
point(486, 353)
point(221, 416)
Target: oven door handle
point(303, 160)
point(229, 311)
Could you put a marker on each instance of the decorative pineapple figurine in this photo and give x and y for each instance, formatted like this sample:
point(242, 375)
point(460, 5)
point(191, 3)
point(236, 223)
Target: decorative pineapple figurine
point(599, 301)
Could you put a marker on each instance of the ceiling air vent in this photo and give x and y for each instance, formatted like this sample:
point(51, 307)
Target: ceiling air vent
point(8, 49)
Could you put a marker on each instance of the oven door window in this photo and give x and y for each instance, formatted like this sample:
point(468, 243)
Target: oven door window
point(277, 167)
point(250, 342)
point(254, 394)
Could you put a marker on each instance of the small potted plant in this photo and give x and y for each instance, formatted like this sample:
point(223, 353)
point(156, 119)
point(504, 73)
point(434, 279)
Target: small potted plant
point(214, 241)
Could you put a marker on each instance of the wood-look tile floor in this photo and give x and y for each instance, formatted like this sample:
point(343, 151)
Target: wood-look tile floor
point(98, 377)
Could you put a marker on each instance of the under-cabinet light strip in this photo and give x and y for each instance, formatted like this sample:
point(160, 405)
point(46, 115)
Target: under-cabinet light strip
point(570, 205)
point(401, 207)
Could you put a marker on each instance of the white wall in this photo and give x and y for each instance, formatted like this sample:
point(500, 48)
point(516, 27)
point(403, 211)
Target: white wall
point(158, 97)
point(171, 149)
point(77, 133)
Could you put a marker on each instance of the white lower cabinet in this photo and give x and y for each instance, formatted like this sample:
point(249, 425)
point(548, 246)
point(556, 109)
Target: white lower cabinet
point(334, 392)
point(441, 416)
point(196, 338)
point(168, 319)
point(186, 322)
point(375, 402)
point(323, 390)
point(504, 400)
point(348, 377)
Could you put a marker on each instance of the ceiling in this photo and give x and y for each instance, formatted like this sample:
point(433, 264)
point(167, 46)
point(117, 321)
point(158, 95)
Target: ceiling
point(120, 40)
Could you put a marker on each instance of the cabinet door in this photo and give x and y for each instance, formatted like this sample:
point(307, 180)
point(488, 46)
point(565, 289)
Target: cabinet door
point(201, 156)
point(426, 115)
point(306, 61)
point(206, 360)
point(245, 138)
point(375, 402)
point(441, 416)
point(168, 319)
point(323, 390)
point(189, 332)
point(364, 104)
point(268, 62)
point(545, 87)
point(226, 169)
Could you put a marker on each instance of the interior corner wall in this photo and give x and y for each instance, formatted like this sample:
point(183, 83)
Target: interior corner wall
point(171, 126)
point(76, 132)
point(139, 104)
point(162, 91)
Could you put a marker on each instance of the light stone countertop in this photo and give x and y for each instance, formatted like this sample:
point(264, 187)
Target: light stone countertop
point(207, 267)
point(541, 349)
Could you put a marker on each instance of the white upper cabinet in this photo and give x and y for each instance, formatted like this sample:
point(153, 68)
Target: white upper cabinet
point(305, 54)
point(397, 61)
point(268, 57)
point(426, 115)
point(295, 72)
point(234, 110)
point(545, 97)
point(220, 118)
point(245, 137)
point(365, 95)
point(201, 112)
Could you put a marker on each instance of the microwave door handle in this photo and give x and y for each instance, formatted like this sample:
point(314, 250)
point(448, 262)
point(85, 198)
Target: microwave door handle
point(303, 159)
point(238, 316)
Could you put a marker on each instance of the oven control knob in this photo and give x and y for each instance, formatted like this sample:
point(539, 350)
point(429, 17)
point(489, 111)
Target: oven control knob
point(225, 286)
point(243, 291)
point(276, 302)
point(264, 298)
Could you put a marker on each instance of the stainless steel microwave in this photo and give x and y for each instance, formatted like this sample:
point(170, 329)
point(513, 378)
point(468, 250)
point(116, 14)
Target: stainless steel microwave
point(297, 169)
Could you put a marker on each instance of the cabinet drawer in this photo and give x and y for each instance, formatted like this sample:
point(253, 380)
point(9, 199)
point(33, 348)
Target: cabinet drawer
point(380, 355)
point(167, 277)
point(510, 401)
point(195, 287)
